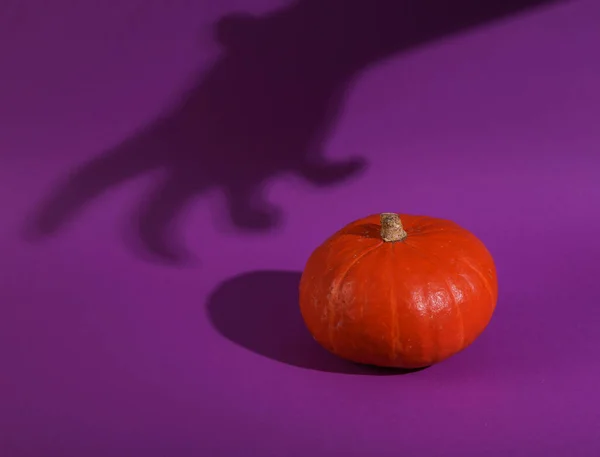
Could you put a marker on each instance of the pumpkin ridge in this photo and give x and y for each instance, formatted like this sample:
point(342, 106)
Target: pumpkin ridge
point(425, 254)
point(337, 287)
point(481, 277)
point(459, 313)
point(393, 309)
point(436, 231)
point(432, 259)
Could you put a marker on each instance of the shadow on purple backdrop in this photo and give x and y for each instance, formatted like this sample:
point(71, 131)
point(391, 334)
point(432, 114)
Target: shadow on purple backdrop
point(259, 311)
point(264, 108)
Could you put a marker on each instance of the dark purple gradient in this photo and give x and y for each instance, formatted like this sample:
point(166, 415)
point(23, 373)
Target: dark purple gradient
point(132, 138)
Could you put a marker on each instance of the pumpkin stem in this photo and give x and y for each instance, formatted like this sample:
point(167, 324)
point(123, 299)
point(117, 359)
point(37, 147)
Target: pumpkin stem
point(391, 227)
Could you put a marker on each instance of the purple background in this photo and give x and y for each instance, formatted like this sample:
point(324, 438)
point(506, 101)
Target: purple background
point(116, 341)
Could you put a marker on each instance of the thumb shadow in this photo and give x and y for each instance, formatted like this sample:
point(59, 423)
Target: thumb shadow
point(259, 311)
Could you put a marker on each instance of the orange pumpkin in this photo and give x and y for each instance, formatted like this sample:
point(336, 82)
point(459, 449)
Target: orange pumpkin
point(398, 291)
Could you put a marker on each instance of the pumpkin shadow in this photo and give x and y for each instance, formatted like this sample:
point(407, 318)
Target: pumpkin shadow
point(259, 311)
point(263, 109)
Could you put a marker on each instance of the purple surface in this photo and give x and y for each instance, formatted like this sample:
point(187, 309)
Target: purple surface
point(148, 298)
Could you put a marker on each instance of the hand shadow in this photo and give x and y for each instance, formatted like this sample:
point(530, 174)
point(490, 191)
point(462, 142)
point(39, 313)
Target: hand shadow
point(264, 108)
point(260, 312)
